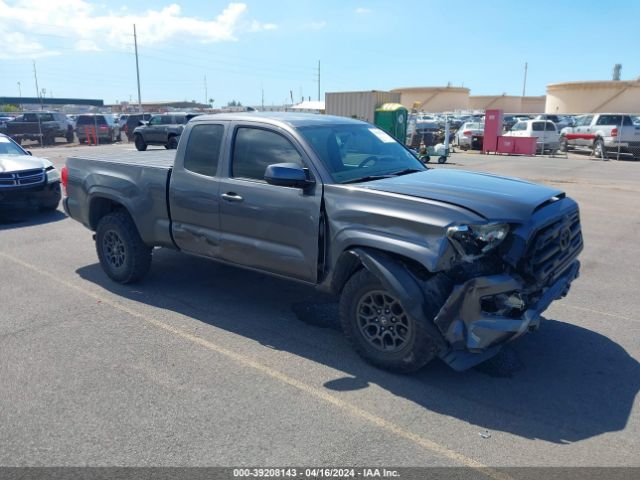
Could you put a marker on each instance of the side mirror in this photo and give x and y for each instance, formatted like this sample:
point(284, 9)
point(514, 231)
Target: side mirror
point(287, 175)
point(142, 123)
point(29, 152)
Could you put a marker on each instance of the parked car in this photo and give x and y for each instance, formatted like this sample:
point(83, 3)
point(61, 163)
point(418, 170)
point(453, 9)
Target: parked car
point(509, 121)
point(164, 129)
point(603, 133)
point(548, 138)
point(26, 181)
point(44, 127)
point(470, 136)
point(560, 121)
point(427, 262)
point(122, 120)
point(134, 120)
point(97, 127)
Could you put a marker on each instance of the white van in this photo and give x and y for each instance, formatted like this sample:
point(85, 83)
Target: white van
point(545, 131)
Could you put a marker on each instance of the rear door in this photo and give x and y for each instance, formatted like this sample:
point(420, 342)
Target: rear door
point(268, 227)
point(194, 197)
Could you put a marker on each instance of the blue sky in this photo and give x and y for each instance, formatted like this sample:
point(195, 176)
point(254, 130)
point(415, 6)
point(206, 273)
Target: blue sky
point(85, 49)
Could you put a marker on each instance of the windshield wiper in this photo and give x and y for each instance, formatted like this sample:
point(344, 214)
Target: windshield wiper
point(368, 178)
point(406, 171)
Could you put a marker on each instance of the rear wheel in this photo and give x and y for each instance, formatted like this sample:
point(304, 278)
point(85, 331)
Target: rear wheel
point(380, 330)
point(69, 137)
point(141, 145)
point(123, 255)
point(442, 159)
point(172, 144)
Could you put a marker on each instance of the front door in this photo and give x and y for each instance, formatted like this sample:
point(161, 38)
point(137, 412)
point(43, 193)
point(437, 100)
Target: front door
point(264, 226)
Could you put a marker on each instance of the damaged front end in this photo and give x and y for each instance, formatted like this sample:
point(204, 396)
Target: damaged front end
point(502, 279)
point(504, 299)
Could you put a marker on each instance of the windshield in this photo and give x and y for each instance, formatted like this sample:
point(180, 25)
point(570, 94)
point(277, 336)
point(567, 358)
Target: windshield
point(354, 152)
point(7, 147)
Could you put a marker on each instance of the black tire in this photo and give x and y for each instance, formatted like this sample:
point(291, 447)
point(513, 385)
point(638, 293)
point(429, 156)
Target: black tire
point(172, 144)
point(123, 255)
point(599, 150)
point(141, 145)
point(564, 145)
point(48, 140)
point(52, 204)
point(442, 159)
point(69, 137)
point(418, 347)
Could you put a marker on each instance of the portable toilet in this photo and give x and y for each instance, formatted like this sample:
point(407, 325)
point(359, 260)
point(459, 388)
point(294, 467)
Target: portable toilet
point(392, 118)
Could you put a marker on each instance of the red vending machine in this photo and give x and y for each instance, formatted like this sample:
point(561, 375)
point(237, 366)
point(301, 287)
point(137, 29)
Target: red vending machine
point(492, 130)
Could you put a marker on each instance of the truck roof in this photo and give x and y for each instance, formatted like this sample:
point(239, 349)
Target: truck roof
point(289, 118)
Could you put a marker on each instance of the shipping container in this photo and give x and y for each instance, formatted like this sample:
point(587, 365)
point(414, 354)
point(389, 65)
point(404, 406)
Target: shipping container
point(360, 105)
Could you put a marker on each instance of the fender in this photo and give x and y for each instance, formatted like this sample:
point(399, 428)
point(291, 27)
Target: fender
point(395, 277)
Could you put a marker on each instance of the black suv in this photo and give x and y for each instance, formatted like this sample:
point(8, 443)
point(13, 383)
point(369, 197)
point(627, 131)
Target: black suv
point(164, 129)
point(135, 120)
point(97, 128)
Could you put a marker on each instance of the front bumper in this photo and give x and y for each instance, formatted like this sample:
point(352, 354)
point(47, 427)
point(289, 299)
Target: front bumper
point(29, 197)
point(475, 335)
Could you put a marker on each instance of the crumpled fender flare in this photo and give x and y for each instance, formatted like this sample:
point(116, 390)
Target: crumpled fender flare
point(395, 277)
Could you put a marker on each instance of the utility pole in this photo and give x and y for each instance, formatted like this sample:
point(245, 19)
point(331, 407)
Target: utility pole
point(35, 75)
point(318, 80)
point(20, 95)
point(206, 93)
point(135, 42)
point(262, 88)
point(524, 85)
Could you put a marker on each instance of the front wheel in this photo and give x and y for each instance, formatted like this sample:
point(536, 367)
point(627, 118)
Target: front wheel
point(123, 255)
point(141, 145)
point(380, 330)
point(69, 137)
point(599, 150)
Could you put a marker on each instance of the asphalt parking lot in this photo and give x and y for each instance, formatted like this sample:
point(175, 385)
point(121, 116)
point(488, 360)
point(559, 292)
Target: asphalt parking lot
point(203, 364)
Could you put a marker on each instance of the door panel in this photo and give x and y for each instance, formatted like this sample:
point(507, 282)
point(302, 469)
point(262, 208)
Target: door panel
point(270, 228)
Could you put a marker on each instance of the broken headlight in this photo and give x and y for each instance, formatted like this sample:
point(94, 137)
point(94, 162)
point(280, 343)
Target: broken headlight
point(473, 241)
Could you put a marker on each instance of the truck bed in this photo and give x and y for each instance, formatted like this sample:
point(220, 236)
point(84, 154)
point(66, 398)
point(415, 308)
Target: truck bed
point(136, 180)
point(151, 158)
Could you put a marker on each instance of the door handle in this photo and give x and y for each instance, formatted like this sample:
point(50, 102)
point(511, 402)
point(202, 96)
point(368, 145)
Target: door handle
point(232, 197)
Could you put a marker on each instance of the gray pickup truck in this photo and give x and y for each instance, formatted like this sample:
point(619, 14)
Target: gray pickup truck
point(427, 262)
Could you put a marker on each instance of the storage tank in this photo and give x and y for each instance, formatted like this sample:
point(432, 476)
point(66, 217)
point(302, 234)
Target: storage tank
point(506, 103)
point(434, 99)
point(532, 104)
point(360, 105)
point(593, 97)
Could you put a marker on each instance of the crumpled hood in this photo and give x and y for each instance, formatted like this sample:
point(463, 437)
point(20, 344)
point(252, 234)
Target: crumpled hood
point(491, 196)
point(16, 163)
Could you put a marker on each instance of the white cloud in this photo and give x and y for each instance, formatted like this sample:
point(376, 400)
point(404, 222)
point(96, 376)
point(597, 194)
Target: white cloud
point(259, 27)
point(362, 10)
point(17, 45)
point(315, 25)
point(93, 27)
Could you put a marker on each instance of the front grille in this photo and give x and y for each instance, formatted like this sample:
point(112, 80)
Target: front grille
point(23, 178)
point(554, 248)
